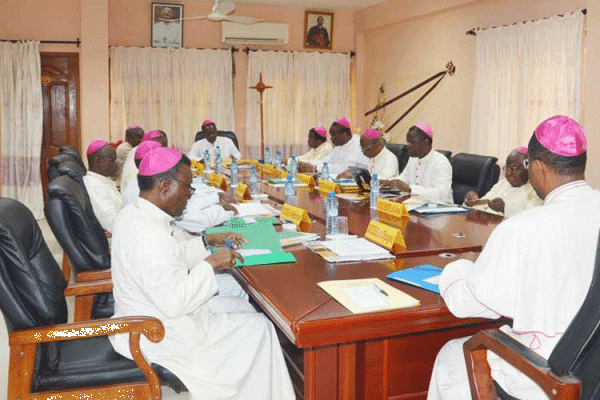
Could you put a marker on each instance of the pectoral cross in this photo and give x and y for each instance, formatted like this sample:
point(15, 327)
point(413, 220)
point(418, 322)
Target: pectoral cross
point(260, 87)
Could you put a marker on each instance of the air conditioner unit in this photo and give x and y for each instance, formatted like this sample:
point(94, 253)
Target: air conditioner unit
point(259, 33)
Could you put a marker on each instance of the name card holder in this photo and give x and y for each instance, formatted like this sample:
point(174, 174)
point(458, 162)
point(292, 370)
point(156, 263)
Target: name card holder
point(268, 169)
point(242, 191)
point(297, 215)
point(280, 173)
point(199, 166)
point(391, 212)
point(250, 162)
point(219, 181)
point(308, 179)
point(386, 236)
point(328, 186)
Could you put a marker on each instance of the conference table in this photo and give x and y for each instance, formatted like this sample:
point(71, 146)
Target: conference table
point(334, 354)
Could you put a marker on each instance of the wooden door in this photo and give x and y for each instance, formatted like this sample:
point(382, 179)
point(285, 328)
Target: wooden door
point(60, 92)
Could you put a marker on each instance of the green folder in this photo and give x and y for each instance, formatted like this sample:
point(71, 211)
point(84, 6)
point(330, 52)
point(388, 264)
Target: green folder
point(236, 222)
point(260, 235)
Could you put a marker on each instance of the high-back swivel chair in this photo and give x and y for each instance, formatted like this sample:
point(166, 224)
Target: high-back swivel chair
point(471, 172)
point(228, 134)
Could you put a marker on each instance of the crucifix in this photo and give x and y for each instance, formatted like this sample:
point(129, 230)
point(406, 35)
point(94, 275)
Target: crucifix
point(260, 87)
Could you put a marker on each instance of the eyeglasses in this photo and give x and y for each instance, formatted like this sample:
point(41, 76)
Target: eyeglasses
point(526, 163)
point(506, 168)
point(190, 189)
point(369, 146)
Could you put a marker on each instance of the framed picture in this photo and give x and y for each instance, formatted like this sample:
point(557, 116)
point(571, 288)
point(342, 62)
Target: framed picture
point(318, 30)
point(167, 25)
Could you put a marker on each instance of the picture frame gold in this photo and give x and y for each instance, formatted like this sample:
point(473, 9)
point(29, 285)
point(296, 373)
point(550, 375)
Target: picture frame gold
point(167, 25)
point(318, 30)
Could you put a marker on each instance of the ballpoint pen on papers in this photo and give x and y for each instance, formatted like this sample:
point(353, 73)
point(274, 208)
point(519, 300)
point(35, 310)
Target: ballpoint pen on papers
point(380, 290)
point(229, 244)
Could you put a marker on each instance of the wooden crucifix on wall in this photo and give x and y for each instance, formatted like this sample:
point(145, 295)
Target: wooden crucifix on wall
point(260, 87)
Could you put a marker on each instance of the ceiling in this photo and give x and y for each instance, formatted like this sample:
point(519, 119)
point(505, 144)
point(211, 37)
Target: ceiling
point(315, 4)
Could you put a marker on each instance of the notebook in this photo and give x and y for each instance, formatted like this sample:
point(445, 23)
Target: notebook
point(424, 276)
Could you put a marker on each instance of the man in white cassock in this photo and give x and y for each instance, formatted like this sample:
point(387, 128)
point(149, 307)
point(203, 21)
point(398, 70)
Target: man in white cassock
point(210, 143)
point(535, 268)
point(320, 147)
point(381, 161)
point(428, 173)
point(100, 182)
point(218, 346)
point(130, 170)
point(346, 151)
point(512, 194)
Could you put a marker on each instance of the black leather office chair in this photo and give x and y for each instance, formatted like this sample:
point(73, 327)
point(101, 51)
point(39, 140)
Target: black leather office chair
point(72, 151)
point(447, 153)
point(471, 172)
point(46, 353)
point(73, 169)
point(56, 161)
point(71, 217)
point(401, 153)
point(571, 372)
point(228, 134)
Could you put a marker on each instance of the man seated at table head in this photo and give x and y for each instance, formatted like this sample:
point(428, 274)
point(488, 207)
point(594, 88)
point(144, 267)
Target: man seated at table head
point(320, 147)
point(100, 183)
point(210, 143)
point(346, 151)
point(428, 173)
point(512, 194)
point(129, 172)
point(218, 346)
point(133, 137)
point(535, 268)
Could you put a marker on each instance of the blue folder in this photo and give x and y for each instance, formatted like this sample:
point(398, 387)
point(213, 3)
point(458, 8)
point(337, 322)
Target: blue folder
point(416, 276)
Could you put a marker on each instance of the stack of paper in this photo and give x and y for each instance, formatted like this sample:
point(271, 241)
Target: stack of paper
point(438, 208)
point(367, 295)
point(355, 249)
point(292, 238)
point(250, 209)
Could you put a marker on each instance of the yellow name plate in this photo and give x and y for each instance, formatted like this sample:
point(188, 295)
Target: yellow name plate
point(386, 236)
point(199, 166)
point(297, 215)
point(308, 179)
point(242, 191)
point(251, 162)
point(391, 212)
point(328, 186)
point(219, 181)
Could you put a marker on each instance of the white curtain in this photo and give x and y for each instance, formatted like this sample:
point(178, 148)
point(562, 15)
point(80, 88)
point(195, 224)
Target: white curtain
point(172, 90)
point(21, 124)
point(308, 89)
point(525, 73)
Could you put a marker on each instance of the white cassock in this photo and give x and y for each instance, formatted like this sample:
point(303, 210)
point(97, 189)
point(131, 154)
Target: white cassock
point(129, 170)
point(105, 197)
point(122, 151)
point(219, 346)
point(535, 268)
point(516, 199)
point(343, 157)
point(166, 34)
point(384, 164)
point(316, 156)
point(227, 146)
point(429, 177)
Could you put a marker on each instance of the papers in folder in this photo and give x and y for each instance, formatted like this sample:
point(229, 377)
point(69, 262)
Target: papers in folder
point(355, 249)
point(248, 209)
point(367, 295)
point(438, 208)
point(423, 276)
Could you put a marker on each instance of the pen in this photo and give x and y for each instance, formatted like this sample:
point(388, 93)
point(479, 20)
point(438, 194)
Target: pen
point(380, 290)
point(229, 243)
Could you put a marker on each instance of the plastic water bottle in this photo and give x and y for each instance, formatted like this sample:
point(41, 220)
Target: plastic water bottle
point(206, 160)
point(331, 222)
point(294, 167)
point(325, 172)
point(218, 166)
point(278, 159)
point(234, 172)
point(290, 191)
point(374, 190)
point(254, 182)
point(267, 159)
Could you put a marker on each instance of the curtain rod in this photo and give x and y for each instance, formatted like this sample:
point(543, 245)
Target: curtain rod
point(77, 42)
point(248, 50)
point(473, 31)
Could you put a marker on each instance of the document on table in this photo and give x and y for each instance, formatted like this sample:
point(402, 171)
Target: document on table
point(353, 249)
point(367, 295)
point(250, 209)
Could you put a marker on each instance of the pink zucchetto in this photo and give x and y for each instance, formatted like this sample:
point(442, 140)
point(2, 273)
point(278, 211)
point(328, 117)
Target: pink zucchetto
point(159, 160)
point(207, 122)
point(562, 135)
point(132, 126)
point(95, 146)
point(371, 133)
point(425, 128)
point(151, 135)
point(144, 148)
point(343, 122)
point(522, 150)
point(321, 131)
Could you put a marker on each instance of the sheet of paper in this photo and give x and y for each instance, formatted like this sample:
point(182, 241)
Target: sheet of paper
point(354, 247)
point(434, 280)
point(248, 209)
point(253, 252)
point(249, 220)
point(366, 296)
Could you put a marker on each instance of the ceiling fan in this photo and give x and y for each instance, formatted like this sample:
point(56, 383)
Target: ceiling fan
point(220, 12)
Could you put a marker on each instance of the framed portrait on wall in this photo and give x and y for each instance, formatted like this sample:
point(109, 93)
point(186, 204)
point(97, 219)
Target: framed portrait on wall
point(318, 30)
point(167, 25)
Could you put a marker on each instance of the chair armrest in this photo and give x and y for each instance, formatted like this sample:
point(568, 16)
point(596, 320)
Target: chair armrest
point(520, 357)
point(95, 275)
point(89, 288)
point(150, 327)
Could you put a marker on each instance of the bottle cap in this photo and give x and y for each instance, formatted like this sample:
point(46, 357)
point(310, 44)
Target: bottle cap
point(332, 195)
